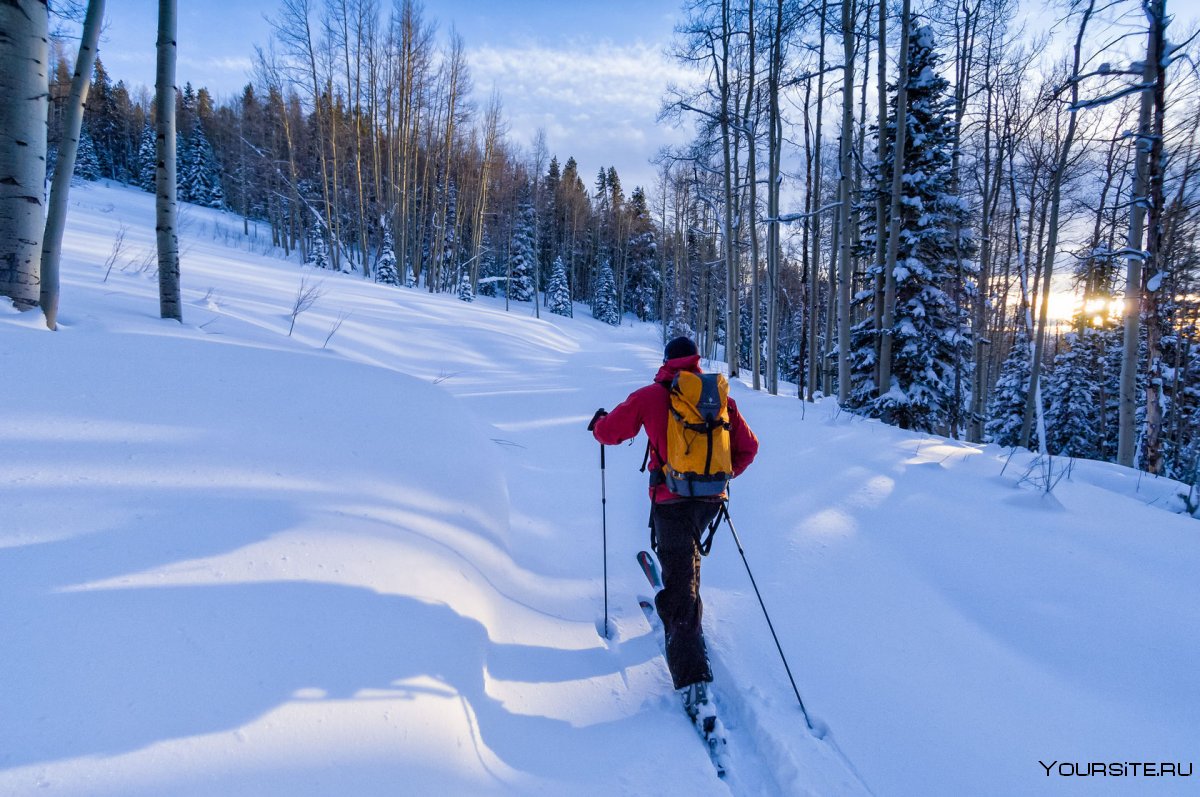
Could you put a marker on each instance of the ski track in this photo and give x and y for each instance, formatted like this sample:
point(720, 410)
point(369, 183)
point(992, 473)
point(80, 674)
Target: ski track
point(761, 761)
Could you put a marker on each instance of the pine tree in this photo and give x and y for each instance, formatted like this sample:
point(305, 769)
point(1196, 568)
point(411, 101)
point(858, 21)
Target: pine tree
point(385, 270)
point(183, 159)
point(521, 255)
point(488, 272)
point(465, 292)
point(318, 251)
point(1072, 397)
point(87, 164)
point(679, 326)
point(604, 304)
point(1007, 407)
point(199, 173)
point(147, 160)
point(1111, 347)
point(643, 283)
point(931, 334)
point(558, 292)
point(102, 121)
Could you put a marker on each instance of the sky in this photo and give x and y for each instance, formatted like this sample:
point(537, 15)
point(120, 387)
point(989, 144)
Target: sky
point(591, 74)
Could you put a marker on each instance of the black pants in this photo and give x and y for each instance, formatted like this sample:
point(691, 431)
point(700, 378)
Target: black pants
point(678, 526)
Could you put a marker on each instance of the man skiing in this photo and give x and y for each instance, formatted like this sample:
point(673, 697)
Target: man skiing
point(677, 521)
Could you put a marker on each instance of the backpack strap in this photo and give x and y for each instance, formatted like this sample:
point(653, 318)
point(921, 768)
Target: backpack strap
point(705, 545)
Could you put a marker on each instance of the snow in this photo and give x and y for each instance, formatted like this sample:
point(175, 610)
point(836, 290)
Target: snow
point(239, 563)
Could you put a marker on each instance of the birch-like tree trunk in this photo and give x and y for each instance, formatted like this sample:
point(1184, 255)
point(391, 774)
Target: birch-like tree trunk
point(56, 214)
point(727, 173)
point(1156, 17)
point(814, 223)
point(846, 269)
point(751, 117)
point(1132, 306)
point(491, 134)
point(893, 248)
point(166, 208)
point(24, 97)
point(881, 186)
point(774, 145)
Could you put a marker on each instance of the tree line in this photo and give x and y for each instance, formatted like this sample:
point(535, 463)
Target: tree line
point(881, 201)
point(878, 203)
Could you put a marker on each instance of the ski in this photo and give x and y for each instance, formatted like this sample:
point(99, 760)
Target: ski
point(710, 728)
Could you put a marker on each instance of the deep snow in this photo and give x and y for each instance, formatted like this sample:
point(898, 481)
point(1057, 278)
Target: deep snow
point(233, 562)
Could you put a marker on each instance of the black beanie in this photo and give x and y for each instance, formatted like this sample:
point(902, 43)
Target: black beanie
point(680, 347)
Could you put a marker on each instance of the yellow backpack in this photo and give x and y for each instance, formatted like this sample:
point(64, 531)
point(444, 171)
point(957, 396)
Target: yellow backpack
point(699, 462)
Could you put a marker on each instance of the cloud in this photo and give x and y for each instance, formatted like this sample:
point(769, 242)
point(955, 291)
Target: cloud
point(597, 101)
point(237, 64)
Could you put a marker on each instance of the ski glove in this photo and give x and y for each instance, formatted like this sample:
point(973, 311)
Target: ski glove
point(600, 413)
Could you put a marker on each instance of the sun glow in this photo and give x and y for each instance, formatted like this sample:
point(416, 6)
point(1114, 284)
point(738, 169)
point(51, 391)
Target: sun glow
point(1067, 306)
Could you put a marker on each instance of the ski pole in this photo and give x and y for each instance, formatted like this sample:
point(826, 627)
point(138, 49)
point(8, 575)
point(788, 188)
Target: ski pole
point(737, 541)
point(604, 532)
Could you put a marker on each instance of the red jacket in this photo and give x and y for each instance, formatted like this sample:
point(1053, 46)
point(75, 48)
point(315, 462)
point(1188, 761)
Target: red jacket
point(647, 407)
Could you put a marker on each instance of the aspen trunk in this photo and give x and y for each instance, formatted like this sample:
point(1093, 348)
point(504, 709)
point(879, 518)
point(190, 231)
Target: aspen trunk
point(814, 223)
point(166, 208)
point(731, 277)
point(751, 116)
point(881, 185)
point(24, 104)
point(893, 249)
point(846, 266)
point(56, 216)
point(774, 142)
point(1156, 14)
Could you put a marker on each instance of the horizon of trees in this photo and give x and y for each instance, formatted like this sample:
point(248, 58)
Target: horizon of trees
point(932, 216)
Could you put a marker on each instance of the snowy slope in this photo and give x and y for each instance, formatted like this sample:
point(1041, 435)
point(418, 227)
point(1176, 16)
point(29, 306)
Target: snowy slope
point(234, 562)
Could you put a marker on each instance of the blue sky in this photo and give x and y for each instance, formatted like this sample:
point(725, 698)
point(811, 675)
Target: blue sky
point(591, 74)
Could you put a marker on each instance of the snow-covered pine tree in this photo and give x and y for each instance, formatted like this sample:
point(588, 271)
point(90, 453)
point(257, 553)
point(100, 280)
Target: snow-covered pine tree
point(200, 175)
point(558, 293)
point(643, 283)
point(183, 159)
point(1113, 347)
point(1007, 406)
point(522, 256)
point(931, 332)
point(678, 325)
point(318, 251)
point(146, 163)
point(604, 304)
point(1181, 448)
point(385, 269)
point(864, 338)
point(488, 273)
point(1072, 398)
point(102, 119)
point(87, 164)
point(465, 292)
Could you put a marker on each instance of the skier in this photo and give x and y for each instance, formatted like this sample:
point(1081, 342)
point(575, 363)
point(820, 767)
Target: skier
point(676, 521)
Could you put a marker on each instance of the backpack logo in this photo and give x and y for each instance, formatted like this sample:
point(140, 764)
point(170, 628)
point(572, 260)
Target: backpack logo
point(699, 462)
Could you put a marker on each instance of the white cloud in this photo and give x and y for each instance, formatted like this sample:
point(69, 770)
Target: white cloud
point(236, 64)
point(596, 101)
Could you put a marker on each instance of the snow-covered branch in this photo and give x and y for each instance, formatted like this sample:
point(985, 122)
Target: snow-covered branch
point(789, 218)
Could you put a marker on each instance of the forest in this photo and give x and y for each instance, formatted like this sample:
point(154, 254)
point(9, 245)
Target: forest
point(880, 202)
